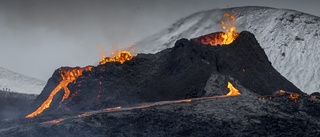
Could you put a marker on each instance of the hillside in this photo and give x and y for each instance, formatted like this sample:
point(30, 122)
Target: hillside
point(12, 81)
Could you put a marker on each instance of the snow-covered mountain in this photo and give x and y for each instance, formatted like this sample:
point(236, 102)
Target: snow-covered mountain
point(291, 39)
point(19, 83)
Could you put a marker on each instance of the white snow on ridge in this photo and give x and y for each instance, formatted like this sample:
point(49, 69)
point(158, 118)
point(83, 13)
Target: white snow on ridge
point(20, 83)
point(291, 39)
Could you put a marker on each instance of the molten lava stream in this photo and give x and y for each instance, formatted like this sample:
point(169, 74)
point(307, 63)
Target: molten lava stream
point(55, 121)
point(69, 75)
point(47, 102)
point(233, 92)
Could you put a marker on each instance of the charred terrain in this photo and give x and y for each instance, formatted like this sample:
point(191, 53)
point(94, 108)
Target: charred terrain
point(180, 91)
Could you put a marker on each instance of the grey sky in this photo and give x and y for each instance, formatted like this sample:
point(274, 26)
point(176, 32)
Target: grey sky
point(39, 36)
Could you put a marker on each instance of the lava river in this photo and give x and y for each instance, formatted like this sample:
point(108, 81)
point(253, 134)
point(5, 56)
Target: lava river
point(232, 92)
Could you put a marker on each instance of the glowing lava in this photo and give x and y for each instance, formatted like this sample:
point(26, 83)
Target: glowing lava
point(68, 75)
point(290, 95)
point(294, 97)
point(233, 91)
point(226, 37)
point(230, 30)
point(117, 55)
point(121, 56)
point(55, 121)
point(111, 109)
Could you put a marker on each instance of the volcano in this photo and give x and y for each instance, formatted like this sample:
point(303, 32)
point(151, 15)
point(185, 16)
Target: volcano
point(192, 89)
point(190, 69)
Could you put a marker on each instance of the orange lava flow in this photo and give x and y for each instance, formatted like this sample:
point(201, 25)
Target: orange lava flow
point(111, 109)
point(55, 121)
point(84, 115)
point(68, 76)
point(233, 91)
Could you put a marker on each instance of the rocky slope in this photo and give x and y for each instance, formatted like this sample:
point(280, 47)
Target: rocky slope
point(243, 115)
point(289, 38)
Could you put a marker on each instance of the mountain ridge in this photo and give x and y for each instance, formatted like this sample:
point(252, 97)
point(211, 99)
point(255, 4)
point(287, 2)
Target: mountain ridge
point(20, 83)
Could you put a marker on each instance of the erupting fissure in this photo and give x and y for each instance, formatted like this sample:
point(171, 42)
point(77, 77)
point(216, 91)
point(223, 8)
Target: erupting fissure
point(233, 92)
point(226, 37)
point(121, 56)
point(230, 29)
point(117, 55)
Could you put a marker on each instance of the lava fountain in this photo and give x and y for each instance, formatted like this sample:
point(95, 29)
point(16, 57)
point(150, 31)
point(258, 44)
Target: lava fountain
point(121, 56)
point(117, 55)
point(226, 37)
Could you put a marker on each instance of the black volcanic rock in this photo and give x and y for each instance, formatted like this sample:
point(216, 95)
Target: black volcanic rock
point(243, 115)
point(268, 105)
point(188, 70)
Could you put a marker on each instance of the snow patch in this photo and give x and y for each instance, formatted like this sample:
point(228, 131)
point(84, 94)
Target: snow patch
point(12, 81)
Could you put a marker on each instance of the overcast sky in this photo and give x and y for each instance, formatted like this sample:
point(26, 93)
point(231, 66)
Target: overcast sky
point(39, 36)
